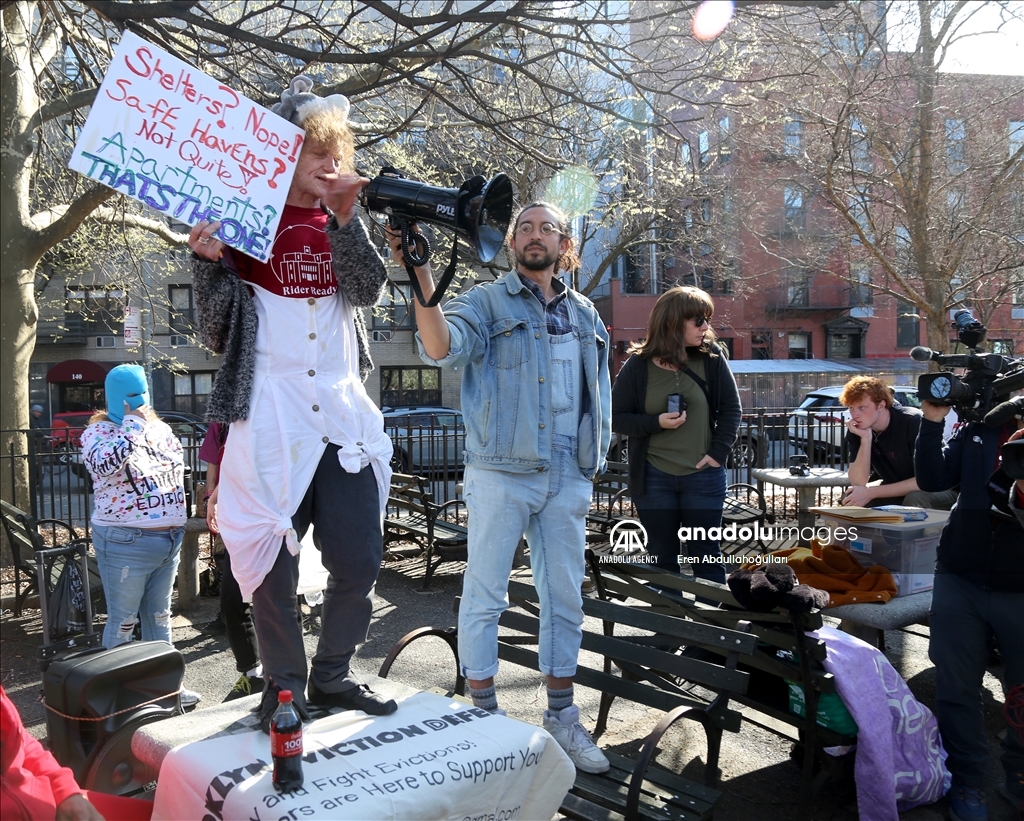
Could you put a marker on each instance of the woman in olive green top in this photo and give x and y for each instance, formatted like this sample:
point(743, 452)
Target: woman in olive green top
point(677, 457)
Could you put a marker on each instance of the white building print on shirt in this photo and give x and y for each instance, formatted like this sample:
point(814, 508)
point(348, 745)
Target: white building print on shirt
point(303, 267)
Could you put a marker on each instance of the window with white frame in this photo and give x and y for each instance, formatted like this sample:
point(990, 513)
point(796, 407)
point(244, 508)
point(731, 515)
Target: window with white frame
point(908, 323)
point(799, 345)
point(94, 310)
point(724, 140)
point(860, 147)
point(394, 311)
point(685, 159)
point(794, 208)
point(181, 315)
point(861, 213)
point(703, 148)
point(416, 385)
point(861, 292)
point(793, 136)
point(956, 146)
point(191, 391)
point(1016, 136)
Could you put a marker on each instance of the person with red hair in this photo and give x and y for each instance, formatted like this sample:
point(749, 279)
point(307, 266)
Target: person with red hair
point(34, 787)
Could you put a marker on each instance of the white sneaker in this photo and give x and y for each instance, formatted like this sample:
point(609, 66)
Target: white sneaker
point(571, 736)
point(189, 698)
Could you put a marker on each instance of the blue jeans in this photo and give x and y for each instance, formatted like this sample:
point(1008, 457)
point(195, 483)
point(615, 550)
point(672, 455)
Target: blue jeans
point(693, 501)
point(963, 619)
point(550, 508)
point(137, 567)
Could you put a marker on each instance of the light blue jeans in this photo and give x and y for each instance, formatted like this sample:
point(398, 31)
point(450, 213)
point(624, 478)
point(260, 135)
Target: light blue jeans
point(137, 567)
point(550, 509)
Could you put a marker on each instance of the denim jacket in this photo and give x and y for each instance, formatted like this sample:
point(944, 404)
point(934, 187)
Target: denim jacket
point(499, 335)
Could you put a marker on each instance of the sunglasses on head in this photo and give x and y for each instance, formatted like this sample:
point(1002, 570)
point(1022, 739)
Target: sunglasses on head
point(701, 321)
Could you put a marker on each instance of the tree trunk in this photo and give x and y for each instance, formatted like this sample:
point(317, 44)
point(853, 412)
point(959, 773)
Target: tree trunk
point(18, 316)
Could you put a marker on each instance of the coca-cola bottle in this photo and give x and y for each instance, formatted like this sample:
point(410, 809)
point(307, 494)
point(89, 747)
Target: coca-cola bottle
point(286, 744)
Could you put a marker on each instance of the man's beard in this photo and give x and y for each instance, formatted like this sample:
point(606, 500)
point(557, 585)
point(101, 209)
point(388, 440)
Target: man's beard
point(535, 263)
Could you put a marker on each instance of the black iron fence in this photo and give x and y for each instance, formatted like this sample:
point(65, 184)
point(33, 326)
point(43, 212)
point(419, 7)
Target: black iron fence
point(59, 486)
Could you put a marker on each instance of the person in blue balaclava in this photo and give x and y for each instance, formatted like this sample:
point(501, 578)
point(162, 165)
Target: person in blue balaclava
point(139, 512)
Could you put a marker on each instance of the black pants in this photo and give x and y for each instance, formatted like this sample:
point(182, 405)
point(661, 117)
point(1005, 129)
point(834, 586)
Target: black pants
point(237, 617)
point(344, 510)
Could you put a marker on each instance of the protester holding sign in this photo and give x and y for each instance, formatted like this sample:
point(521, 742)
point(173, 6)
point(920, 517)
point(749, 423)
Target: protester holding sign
point(307, 444)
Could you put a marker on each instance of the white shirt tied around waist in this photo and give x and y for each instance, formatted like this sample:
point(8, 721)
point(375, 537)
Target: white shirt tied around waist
point(306, 394)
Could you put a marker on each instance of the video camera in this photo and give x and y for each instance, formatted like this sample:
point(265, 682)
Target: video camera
point(987, 377)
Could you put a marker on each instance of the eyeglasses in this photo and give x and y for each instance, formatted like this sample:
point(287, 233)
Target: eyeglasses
point(524, 229)
point(701, 321)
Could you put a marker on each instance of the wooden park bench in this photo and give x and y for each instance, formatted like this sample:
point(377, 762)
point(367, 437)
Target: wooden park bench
point(648, 676)
point(785, 655)
point(412, 515)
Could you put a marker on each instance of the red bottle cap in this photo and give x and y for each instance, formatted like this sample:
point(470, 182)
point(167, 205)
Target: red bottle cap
point(284, 697)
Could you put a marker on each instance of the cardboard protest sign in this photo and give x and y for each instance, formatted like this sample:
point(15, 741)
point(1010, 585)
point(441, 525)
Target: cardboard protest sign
point(162, 132)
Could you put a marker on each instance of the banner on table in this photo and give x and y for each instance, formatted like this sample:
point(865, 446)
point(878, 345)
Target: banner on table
point(434, 758)
point(168, 135)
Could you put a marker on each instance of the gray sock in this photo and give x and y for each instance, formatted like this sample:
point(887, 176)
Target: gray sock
point(559, 699)
point(484, 699)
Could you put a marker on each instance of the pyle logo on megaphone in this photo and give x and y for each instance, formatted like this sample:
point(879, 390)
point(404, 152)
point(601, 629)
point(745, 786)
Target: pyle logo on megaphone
point(447, 211)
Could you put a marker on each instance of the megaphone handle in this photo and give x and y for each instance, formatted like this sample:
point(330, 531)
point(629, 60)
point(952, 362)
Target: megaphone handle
point(442, 283)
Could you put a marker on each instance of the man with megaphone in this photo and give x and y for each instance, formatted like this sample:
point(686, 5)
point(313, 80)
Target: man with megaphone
point(536, 399)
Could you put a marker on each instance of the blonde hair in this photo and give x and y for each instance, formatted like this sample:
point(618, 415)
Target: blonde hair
point(665, 325)
point(329, 128)
point(148, 414)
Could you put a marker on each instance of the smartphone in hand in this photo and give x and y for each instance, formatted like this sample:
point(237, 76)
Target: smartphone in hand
point(676, 403)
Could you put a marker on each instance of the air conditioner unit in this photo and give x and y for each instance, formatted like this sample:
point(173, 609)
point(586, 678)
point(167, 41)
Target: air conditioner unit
point(383, 336)
point(104, 342)
point(179, 341)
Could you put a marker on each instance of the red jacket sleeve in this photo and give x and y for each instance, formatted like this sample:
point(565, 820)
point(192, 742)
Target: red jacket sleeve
point(30, 772)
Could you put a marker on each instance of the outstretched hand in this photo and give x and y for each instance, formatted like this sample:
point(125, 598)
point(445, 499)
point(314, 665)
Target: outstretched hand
point(341, 191)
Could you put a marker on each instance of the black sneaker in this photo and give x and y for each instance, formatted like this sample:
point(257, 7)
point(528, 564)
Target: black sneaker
point(268, 706)
point(245, 686)
point(356, 698)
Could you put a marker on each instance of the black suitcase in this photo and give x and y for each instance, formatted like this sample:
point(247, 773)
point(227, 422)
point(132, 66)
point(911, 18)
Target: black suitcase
point(96, 698)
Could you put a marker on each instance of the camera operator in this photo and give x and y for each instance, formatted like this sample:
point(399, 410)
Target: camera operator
point(978, 594)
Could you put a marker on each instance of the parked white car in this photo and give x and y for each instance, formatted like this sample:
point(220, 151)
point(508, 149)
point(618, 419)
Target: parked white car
point(820, 420)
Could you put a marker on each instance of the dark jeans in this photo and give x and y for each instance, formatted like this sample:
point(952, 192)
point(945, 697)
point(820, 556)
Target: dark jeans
point(237, 616)
point(672, 502)
point(344, 510)
point(963, 619)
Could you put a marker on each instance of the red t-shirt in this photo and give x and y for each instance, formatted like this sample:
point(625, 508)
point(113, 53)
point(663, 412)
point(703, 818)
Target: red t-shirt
point(299, 265)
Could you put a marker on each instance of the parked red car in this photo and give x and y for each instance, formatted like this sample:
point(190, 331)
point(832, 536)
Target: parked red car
point(68, 427)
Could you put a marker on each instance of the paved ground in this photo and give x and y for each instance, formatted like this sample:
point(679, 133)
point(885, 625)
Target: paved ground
point(759, 779)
